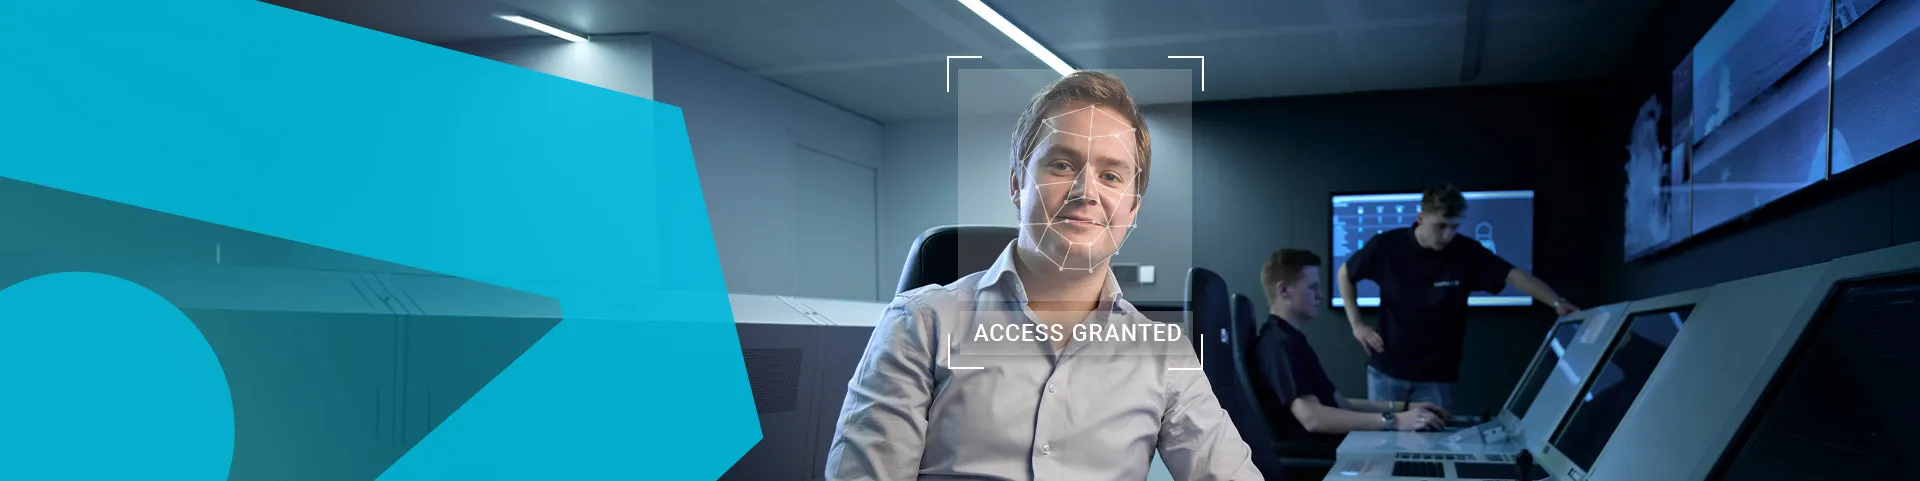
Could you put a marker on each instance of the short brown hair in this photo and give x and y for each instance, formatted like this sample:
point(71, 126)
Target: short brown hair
point(1285, 264)
point(1445, 200)
point(1097, 88)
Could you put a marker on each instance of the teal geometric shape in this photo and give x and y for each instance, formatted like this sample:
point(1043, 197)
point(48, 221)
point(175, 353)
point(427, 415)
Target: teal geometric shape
point(269, 120)
point(106, 380)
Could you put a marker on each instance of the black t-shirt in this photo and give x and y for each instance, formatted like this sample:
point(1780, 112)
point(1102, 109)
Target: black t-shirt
point(1285, 369)
point(1423, 300)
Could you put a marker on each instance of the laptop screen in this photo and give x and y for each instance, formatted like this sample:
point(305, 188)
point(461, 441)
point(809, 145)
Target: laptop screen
point(1612, 387)
point(1841, 405)
point(1546, 365)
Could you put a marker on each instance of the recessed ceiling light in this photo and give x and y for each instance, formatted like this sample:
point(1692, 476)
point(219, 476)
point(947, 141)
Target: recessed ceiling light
point(1019, 37)
point(548, 29)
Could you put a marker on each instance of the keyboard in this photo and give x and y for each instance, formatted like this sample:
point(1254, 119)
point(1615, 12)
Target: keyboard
point(1495, 471)
point(1419, 469)
point(1435, 457)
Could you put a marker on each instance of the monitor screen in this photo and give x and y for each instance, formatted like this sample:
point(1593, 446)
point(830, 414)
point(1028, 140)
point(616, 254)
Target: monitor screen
point(1612, 387)
point(1759, 106)
point(1547, 364)
point(1840, 406)
point(1874, 108)
point(1502, 221)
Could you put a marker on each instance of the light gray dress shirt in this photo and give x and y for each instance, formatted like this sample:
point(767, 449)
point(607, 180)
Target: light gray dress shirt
point(931, 400)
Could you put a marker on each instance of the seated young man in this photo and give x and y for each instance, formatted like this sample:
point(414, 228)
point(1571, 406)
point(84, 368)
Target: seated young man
point(937, 395)
point(1287, 373)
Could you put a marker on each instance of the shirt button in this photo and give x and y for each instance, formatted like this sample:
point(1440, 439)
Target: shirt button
point(1046, 450)
point(1051, 389)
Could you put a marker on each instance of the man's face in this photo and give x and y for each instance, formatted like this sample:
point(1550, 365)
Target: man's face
point(1435, 231)
point(1303, 294)
point(1076, 196)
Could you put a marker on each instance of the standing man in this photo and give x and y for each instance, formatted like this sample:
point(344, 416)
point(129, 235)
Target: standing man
point(1424, 277)
point(1286, 373)
point(993, 377)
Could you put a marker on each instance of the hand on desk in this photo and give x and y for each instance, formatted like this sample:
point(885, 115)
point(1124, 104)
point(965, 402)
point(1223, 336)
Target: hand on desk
point(1432, 408)
point(1418, 419)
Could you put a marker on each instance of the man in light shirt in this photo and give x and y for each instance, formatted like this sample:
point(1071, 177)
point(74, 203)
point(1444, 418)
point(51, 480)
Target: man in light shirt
point(1015, 372)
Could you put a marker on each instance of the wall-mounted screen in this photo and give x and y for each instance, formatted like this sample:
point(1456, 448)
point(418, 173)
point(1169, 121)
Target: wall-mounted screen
point(1777, 95)
point(1500, 220)
point(1876, 91)
point(1759, 106)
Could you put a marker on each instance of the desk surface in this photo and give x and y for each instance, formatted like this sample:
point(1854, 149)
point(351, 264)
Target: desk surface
point(1369, 467)
point(1466, 440)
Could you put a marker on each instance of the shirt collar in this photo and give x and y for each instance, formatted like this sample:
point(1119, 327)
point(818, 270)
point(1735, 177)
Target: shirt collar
point(1002, 274)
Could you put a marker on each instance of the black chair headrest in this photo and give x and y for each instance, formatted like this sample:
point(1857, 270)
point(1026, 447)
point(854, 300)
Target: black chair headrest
point(1208, 308)
point(945, 254)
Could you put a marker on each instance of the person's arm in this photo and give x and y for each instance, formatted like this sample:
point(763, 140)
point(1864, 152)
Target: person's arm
point(1364, 405)
point(1323, 419)
point(1533, 286)
point(883, 422)
point(1361, 331)
point(1350, 299)
point(1198, 442)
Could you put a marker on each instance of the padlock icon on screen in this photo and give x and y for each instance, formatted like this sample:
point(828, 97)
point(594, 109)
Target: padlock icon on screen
point(1484, 233)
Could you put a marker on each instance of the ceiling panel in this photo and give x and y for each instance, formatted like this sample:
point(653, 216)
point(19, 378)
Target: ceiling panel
point(1408, 57)
point(1371, 10)
point(1084, 22)
point(1304, 64)
point(590, 16)
point(883, 58)
point(424, 20)
point(885, 94)
point(1261, 14)
point(1533, 50)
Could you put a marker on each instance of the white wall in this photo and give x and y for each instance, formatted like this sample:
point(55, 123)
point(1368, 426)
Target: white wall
point(917, 190)
point(791, 183)
point(780, 230)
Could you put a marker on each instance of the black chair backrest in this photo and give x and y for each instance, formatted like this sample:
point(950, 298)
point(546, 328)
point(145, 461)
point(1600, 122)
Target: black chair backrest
point(945, 254)
point(1210, 316)
point(1243, 344)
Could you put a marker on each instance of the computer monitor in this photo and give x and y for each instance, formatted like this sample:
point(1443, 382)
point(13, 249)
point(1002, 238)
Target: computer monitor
point(1615, 382)
point(1546, 362)
point(1839, 406)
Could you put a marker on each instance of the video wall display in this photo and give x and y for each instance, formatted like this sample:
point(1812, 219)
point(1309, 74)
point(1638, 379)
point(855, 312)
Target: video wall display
point(1778, 95)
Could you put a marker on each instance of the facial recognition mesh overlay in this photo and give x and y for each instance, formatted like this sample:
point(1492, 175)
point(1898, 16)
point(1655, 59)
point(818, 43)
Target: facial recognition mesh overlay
point(1502, 221)
point(1086, 195)
point(1760, 107)
point(1080, 198)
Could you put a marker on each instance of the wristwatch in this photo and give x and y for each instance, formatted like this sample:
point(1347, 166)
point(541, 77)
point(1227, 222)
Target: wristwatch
point(1386, 418)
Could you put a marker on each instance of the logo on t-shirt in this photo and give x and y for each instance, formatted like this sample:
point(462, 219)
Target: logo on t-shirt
point(1446, 284)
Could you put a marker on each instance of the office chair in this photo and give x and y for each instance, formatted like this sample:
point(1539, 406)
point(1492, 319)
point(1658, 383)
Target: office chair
point(945, 254)
point(1210, 313)
point(1300, 458)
